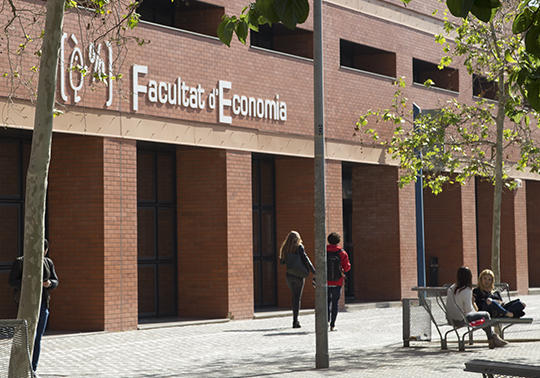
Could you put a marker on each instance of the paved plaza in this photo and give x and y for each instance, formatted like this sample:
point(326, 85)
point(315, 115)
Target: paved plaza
point(368, 343)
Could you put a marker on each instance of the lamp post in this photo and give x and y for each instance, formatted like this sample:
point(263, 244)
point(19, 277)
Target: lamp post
point(321, 302)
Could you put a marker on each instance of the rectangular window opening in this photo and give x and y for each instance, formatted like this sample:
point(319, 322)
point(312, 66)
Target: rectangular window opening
point(366, 58)
point(484, 88)
point(447, 78)
point(194, 16)
point(278, 37)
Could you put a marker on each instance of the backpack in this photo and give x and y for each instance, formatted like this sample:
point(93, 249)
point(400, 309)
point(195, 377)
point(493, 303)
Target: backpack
point(333, 265)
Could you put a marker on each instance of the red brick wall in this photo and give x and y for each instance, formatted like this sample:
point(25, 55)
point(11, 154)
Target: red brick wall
point(384, 234)
point(517, 257)
point(120, 233)
point(215, 260)
point(450, 230)
point(202, 233)
point(334, 206)
point(533, 232)
point(92, 231)
point(334, 197)
point(240, 234)
point(295, 206)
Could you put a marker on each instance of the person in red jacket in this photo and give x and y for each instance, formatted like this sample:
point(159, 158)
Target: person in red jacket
point(333, 251)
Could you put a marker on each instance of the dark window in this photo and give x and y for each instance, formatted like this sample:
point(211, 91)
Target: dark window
point(194, 16)
point(264, 232)
point(447, 78)
point(366, 58)
point(297, 42)
point(15, 148)
point(484, 88)
point(156, 232)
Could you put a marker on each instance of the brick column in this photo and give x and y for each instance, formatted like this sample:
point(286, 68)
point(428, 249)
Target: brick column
point(450, 231)
point(513, 256)
point(334, 206)
point(295, 208)
point(384, 234)
point(215, 256)
point(533, 232)
point(93, 233)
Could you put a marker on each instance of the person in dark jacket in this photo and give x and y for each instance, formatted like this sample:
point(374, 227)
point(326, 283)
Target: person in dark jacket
point(50, 282)
point(488, 299)
point(334, 287)
point(293, 244)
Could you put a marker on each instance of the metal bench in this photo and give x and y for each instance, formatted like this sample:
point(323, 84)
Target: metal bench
point(490, 369)
point(438, 295)
point(14, 345)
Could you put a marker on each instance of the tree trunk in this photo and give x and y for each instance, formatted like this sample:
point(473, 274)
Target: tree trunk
point(36, 183)
point(497, 195)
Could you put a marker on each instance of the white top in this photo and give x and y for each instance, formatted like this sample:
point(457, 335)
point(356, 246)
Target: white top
point(462, 298)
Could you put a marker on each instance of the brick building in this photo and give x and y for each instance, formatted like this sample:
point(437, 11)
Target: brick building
point(171, 189)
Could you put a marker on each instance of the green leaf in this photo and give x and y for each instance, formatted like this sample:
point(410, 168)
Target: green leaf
point(487, 3)
point(483, 14)
point(292, 12)
point(531, 41)
point(242, 31)
point(522, 22)
point(533, 95)
point(268, 10)
point(508, 57)
point(460, 8)
point(428, 83)
point(225, 30)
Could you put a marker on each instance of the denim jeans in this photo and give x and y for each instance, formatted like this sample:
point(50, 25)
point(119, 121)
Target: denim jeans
point(334, 293)
point(479, 315)
point(42, 323)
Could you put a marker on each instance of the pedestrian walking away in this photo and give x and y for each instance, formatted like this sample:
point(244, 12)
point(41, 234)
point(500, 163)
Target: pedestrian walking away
point(293, 254)
point(50, 282)
point(337, 265)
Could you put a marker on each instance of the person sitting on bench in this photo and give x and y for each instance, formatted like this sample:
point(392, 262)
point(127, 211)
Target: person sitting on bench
point(487, 299)
point(459, 301)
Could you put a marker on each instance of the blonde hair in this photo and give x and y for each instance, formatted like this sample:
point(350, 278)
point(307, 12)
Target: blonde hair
point(290, 245)
point(487, 272)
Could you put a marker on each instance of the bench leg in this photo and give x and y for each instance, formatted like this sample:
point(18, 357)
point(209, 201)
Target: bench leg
point(461, 345)
point(444, 344)
point(406, 343)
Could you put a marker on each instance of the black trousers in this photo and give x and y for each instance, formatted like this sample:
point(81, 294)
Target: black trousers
point(296, 286)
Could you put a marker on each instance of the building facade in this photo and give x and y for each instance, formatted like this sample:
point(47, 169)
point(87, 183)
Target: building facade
point(172, 188)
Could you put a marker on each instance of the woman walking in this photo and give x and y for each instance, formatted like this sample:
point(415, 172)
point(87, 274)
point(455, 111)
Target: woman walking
point(293, 245)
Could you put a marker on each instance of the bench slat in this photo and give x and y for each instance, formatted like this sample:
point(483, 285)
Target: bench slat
point(502, 368)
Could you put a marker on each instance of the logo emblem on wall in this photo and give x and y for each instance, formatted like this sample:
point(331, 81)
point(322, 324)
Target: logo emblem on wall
point(73, 70)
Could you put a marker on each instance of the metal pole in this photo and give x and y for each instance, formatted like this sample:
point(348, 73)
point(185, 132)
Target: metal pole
point(321, 302)
point(420, 243)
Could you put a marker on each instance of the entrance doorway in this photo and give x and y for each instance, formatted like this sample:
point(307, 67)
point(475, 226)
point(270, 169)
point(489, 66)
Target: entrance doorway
point(156, 230)
point(264, 232)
